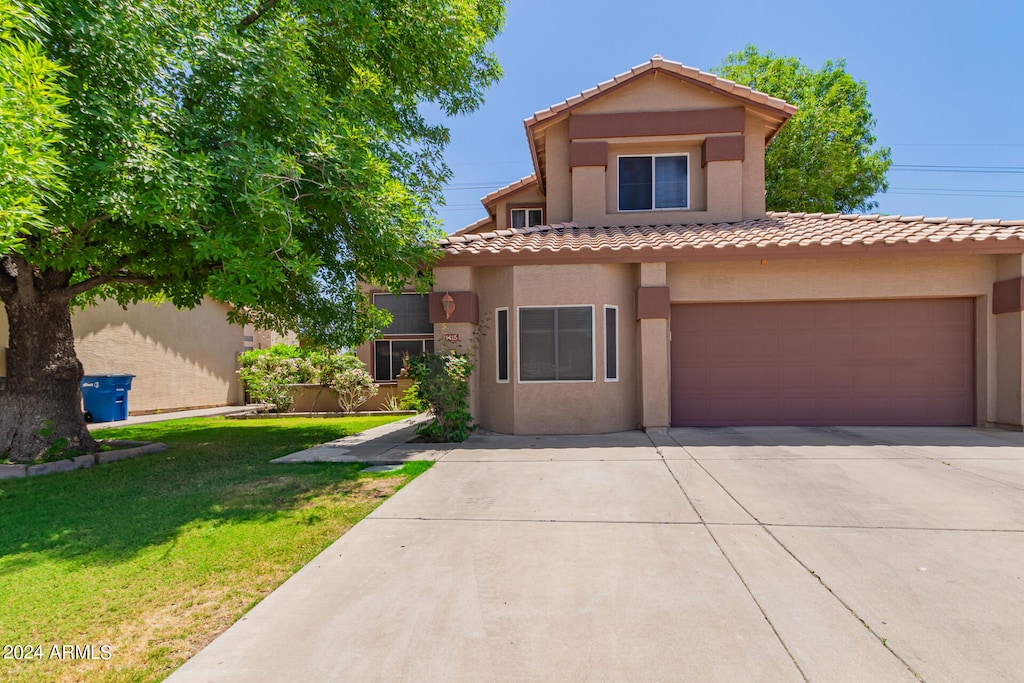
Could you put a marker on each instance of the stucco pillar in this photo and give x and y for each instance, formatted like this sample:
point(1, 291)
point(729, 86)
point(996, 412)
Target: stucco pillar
point(458, 331)
point(1008, 311)
point(588, 195)
point(725, 191)
point(653, 319)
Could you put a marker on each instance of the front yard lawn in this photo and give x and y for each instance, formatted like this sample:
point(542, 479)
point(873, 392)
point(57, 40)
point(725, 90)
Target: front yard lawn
point(147, 560)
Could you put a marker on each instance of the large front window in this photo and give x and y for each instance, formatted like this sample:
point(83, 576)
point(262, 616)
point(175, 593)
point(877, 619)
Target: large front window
point(409, 334)
point(556, 344)
point(653, 182)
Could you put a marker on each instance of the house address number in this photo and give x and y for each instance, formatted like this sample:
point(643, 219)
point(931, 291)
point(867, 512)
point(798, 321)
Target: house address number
point(451, 337)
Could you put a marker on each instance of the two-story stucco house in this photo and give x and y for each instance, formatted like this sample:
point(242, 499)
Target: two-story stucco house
point(636, 280)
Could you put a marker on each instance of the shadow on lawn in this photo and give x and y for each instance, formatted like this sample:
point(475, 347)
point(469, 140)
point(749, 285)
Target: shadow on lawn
point(218, 474)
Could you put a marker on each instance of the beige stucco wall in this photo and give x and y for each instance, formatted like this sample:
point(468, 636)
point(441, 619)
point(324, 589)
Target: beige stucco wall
point(180, 359)
point(719, 191)
point(495, 404)
point(529, 195)
point(559, 181)
point(997, 338)
point(578, 407)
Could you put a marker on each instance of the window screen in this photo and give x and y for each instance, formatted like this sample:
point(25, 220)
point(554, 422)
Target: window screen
point(501, 316)
point(526, 218)
point(410, 313)
point(389, 355)
point(556, 344)
point(611, 343)
point(659, 182)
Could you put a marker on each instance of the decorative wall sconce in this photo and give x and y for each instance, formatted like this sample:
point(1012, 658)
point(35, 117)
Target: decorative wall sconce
point(448, 304)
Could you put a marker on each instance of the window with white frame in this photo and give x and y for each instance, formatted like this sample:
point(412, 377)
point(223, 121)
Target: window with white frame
point(611, 343)
point(527, 217)
point(654, 181)
point(501, 343)
point(409, 334)
point(556, 344)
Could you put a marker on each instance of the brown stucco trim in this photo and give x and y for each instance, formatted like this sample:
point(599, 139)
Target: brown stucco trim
point(1008, 296)
point(730, 148)
point(525, 205)
point(647, 124)
point(467, 308)
point(653, 302)
point(588, 154)
point(567, 256)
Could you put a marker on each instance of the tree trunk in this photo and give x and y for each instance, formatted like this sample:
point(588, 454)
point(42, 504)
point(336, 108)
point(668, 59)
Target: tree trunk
point(40, 408)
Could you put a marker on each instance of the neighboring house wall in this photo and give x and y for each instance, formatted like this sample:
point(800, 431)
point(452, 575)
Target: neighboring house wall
point(180, 359)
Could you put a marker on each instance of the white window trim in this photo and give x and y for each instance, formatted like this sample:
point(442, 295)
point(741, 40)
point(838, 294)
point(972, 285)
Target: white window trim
point(615, 332)
point(497, 345)
point(527, 209)
point(389, 339)
point(593, 351)
point(654, 183)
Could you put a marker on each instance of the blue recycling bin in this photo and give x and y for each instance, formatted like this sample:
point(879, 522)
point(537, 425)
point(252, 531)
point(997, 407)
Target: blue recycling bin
point(106, 397)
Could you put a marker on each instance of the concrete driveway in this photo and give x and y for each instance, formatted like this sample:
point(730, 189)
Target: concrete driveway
point(768, 554)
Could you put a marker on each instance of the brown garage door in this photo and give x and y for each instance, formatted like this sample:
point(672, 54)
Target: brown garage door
point(891, 362)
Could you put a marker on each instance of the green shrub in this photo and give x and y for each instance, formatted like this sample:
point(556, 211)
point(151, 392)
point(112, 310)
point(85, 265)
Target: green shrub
point(267, 374)
point(411, 400)
point(443, 382)
point(270, 373)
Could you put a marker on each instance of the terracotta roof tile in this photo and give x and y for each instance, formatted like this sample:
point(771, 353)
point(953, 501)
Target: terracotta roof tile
point(659, 63)
point(508, 189)
point(792, 230)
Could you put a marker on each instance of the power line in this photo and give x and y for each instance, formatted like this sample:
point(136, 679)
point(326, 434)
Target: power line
point(934, 168)
point(955, 144)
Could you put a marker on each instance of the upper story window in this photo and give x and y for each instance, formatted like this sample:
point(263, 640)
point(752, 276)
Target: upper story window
point(527, 218)
point(654, 182)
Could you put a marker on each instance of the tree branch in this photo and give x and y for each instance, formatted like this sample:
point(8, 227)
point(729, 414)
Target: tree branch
point(85, 285)
point(97, 280)
point(83, 229)
point(254, 15)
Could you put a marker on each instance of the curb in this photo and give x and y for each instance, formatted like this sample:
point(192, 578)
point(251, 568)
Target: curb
point(128, 449)
point(274, 416)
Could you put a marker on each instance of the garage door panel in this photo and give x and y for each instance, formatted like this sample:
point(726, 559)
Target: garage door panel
point(819, 363)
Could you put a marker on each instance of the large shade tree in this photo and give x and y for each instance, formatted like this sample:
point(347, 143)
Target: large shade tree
point(825, 158)
point(267, 154)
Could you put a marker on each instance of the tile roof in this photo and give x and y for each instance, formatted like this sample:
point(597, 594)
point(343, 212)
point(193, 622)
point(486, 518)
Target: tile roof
point(525, 181)
point(657, 62)
point(778, 230)
point(473, 226)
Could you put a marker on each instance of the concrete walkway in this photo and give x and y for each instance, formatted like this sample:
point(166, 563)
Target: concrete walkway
point(169, 415)
point(383, 445)
point(706, 555)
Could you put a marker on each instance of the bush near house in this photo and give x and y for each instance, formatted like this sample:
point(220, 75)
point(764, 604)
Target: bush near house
point(442, 381)
point(271, 375)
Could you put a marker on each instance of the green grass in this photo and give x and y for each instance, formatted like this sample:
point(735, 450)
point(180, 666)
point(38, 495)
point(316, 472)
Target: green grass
point(155, 556)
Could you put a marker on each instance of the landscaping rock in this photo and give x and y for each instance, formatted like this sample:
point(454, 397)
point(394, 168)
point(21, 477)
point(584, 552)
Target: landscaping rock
point(13, 471)
point(84, 461)
point(134, 449)
point(51, 467)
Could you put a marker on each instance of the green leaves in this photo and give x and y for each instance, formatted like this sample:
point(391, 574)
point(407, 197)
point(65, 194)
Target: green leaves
point(442, 382)
point(31, 127)
point(825, 158)
point(183, 148)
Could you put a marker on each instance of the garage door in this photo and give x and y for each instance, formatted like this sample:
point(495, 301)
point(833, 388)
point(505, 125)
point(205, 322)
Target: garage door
point(891, 362)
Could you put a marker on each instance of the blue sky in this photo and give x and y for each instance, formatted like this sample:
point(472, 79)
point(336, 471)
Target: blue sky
point(945, 78)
